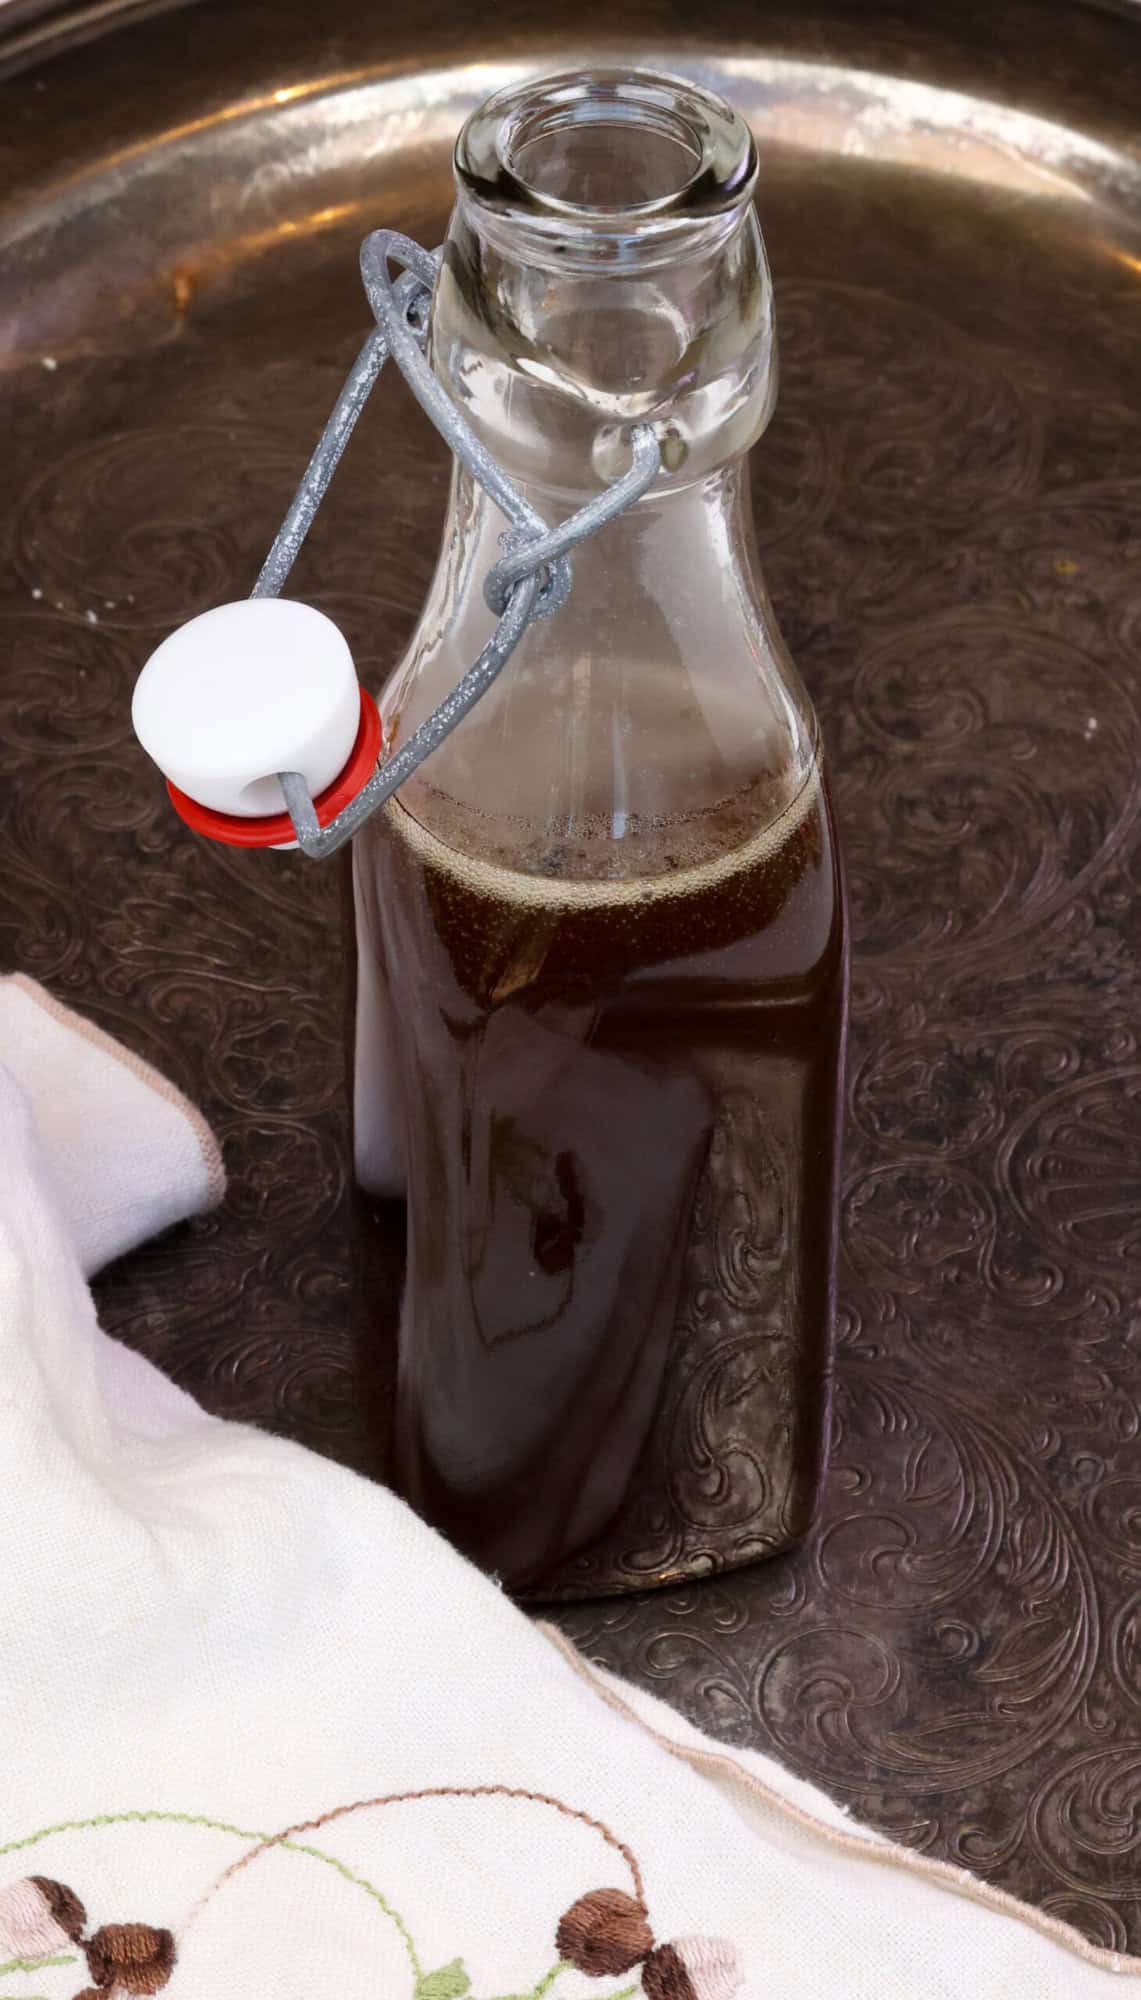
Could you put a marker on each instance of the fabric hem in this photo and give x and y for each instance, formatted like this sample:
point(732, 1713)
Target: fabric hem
point(146, 1073)
point(883, 1852)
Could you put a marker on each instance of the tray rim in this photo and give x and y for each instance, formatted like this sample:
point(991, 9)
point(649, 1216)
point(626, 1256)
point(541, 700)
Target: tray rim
point(37, 31)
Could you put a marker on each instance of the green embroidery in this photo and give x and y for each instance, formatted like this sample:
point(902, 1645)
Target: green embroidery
point(542, 1986)
point(240, 1833)
point(447, 1982)
point(127, 1818)
point(359, 1882)
point(548, 1980)
point(451, 1982)
point(35, 1964)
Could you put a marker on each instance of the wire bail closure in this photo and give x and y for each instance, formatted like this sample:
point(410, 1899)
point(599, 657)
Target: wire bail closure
point(531, 580)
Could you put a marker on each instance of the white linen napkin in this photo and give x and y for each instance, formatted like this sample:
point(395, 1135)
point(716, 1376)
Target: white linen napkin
point(129, 1154)
point(264, 1735)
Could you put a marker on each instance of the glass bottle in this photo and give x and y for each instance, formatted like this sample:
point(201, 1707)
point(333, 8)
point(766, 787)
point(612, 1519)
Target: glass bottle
point(602, 934)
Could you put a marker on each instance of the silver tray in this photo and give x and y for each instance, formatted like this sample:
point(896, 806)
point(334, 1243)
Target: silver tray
point(950, 503)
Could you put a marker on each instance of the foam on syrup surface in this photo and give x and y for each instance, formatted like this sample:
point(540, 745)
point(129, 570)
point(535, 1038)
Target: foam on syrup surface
point(548, 891)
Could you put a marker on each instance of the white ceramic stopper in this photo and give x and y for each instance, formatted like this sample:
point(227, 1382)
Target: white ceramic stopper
point(243, 692)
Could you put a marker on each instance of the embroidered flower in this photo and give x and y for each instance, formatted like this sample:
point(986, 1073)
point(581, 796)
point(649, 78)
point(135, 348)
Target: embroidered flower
point(692, 1968)
point(133, 1958)
point(38, 1917)
point(604, 1933)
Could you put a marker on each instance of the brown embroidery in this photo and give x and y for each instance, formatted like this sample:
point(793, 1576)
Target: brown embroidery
point(604, 1932)
point(607, 1932)
point(63, 1904)
point(38, 1915)
point(692, 1968)
point(433, 1792)
point(878, 1854)
point(664, 1976)
point(133, 1956)
point(29, 1927)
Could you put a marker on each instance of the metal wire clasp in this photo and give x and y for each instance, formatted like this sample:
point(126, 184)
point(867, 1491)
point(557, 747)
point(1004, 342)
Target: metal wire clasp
point(531, 580)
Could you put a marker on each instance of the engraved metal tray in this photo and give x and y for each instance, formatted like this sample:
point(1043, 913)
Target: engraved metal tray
point(950, 505)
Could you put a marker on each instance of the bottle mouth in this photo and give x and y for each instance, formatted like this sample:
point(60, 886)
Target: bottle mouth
point(612, 155)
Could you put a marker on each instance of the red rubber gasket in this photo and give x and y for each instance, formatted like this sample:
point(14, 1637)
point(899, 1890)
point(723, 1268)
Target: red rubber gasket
point(274, 829)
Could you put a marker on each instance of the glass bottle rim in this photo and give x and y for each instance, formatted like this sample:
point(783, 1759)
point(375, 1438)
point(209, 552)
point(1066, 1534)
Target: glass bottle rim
point(692, 153)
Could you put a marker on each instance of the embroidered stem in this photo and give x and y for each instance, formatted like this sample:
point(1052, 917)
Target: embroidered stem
point(544, 1985)
point(433, 1792)
point(547, 1981)
point(359, 1882)
point(126, 1819)
point(261, 1841)
point(35, 1964)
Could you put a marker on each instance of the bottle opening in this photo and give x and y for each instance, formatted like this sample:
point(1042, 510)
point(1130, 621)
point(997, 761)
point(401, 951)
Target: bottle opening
point(604, 267)
point(607, 149)
point(603, 154)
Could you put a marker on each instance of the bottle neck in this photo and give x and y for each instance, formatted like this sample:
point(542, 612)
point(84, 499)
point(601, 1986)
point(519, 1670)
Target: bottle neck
point(604, 268)
point(553, 367)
